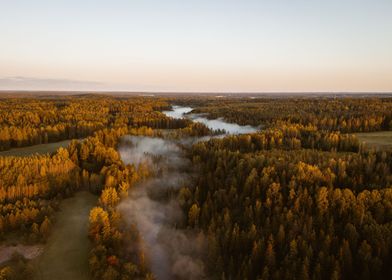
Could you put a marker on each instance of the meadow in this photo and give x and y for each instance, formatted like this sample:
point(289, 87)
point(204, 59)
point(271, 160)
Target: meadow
point(377, 140)
point(65, 255)
point(36, 149)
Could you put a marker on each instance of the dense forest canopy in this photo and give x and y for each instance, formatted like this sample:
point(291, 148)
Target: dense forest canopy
point(334, 114)
point(302, 198)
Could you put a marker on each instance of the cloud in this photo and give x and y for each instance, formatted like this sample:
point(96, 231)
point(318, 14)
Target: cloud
point(31, 83)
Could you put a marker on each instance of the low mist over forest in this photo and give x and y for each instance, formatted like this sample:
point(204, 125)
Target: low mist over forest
point(184, 187)
point(196, 140)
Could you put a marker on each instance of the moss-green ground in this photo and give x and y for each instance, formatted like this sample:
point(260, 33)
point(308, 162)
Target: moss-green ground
point(378, 140)
point(36, 149)
point(65, 255)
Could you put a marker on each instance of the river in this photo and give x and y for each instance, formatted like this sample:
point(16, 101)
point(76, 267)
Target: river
point(230, 128)
point(174, 252)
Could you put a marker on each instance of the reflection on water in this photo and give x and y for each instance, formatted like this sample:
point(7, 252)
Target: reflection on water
point(230, 128)
point(178, 112)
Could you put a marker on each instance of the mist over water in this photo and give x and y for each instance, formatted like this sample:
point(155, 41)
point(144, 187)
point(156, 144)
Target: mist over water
point(172, 253)
point(178, 112)
point(230, 128)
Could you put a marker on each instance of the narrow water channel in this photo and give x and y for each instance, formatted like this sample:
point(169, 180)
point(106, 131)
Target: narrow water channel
point(173, 252)
point(230, 128)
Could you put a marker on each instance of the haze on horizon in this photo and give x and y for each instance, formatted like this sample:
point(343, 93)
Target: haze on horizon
point(197, 45)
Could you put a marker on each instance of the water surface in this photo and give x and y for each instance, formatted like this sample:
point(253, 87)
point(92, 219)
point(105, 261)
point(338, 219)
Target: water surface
point(230, 128)
point(178, 112)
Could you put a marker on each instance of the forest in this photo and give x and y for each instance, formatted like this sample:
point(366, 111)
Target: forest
point(301, 198)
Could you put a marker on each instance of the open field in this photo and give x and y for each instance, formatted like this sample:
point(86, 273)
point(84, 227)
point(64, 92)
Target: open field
point(378, 140)
point(65, 255)
point(36, 149)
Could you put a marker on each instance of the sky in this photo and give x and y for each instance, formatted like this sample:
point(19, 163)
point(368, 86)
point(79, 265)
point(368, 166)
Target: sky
point(196, 45)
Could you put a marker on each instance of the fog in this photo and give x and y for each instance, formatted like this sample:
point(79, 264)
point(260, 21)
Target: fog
point(172, 253)
point(178, 112)
point(230, 128)
point(135, 150)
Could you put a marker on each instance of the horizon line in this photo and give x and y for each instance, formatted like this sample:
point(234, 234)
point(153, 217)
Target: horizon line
point(193, 92)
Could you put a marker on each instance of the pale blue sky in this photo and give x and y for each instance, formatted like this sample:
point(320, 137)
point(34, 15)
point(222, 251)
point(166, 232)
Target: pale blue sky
point(196, 45)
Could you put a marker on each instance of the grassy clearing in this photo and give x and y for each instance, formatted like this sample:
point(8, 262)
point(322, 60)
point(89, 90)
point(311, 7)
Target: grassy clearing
point(36, 149)
point(65, 255)
point(378, 140)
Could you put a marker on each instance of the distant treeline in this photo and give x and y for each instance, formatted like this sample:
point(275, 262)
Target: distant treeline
point(346, 115)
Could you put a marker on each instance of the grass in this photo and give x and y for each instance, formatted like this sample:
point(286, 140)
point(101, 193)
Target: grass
point(378, 140)
point(36, 149)
point(66, 252)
